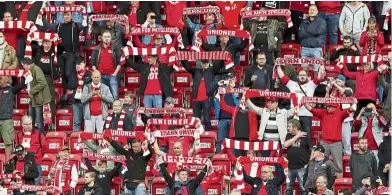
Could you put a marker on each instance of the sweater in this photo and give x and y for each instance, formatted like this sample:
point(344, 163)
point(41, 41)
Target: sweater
point(366, 83)
point(361, 164)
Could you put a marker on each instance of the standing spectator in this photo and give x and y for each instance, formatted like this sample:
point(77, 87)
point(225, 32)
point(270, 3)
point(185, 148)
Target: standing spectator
point(118, 119)
point(384, 156)
point(224, 118)
point(117, 34)
point(372, 39)
point(7, 103)
point(91, 187)
point(84, 78)
point(11, 35)
point(298, 153)
point(33, 141)
point(136, 165)
point(386, 6)
point(318, 166)
point(76, 16)
point(155, 81)
point(386, 112)
point(370, 125)
point(151, 23)
point(259, 76)
point(39, 92)
point(337, 89)
point(330, 12)
point(230, 11)
point(103, 176)
point(321, 188)
point(45, 60)
point(302, 88)
point(297, 9)
point(266, 36)
point(106, 58)
point(24, 166)
point(96, 98)
point(158, 42)
point(174, 16)
point(312, 34)
point(210, 23)
point(8, 58)
point(348, 49)
point(354, 20)
point(129, 106)
point(361, 163)
point(147, 7)
point(203, 88)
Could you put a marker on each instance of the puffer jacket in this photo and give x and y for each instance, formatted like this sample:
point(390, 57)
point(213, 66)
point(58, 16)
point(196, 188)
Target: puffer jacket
point(366, 87)
point(353, 20)
point(312, 34)
point(10, 60)
point(274, 32)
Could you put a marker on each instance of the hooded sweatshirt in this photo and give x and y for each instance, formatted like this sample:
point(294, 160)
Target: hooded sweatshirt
point(361, 164)
point(354, 20)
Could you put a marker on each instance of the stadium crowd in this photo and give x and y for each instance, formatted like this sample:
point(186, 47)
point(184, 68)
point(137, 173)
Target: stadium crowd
point(195, 97)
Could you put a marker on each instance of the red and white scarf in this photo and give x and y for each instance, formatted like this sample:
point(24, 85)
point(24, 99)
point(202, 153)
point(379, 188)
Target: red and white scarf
point(266, 13)
point(182, 162)
point(80, 76)
point(7, 176)
point(124, 135)
point(60, 176)
point(137, 51)
point(219, 32)
point(103, 157)
point(206, 55)
point(203, 10)
point(18, 24)
point(63, 8)
point(145, 110)
point(295, 61)
point(245, 145)
point(39, 37)
point(387, 18)
point(132, 17)
point(361, 59)
point(13, 72)
point(136, 31)
point(47, 114)
point(35, 188)
point(319, 100)
point(121, 19)
point(175, 133)
point(120, 125)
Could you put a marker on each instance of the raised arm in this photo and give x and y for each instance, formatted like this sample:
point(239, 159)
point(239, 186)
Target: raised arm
point(254, 108)
point(189, 68)
point(166, 174)
point(118, 148)
point(90, 166)
point(114, 170)
point(201, 175)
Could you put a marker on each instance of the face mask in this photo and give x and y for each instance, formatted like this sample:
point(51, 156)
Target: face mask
point(1, 41)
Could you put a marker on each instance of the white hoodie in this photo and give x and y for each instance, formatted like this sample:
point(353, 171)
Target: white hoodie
point(353, 20)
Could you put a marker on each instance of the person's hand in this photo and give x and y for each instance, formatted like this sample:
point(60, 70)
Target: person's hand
point(253, 78)
point(99, 94)
point(374, 110)
point(301, 134)
point(362, 111)
point(80, 82)
point(221, 83)
point(114, 74)
point(353, 48)
point(327, 89)
point(94, 92)
point(107, 135)
point(339, 47)
point(365, 182)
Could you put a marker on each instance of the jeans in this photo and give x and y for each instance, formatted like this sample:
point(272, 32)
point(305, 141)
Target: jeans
point(293, 174)
point(332, 21)
point(112, 83)
point(205, 106)
point(68, 69)
point(37, 116)
point(140, 190)
point(307, 52)
point(152, 101)
point(223, 132)
point(94, 122)
point(77, 109)
point(336, 150)
point(236, 58)
point(37, 180)
point(346, 135)
point(306, 124)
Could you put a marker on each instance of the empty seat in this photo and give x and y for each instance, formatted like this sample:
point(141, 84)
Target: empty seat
point(384, 52)
point(132, 78)
point(74, 145)
point(47, 162)
point(158, 186)
point(64, 120)
point(181, 78)
point(22, 100)
point(55, 141)
point(346, 166)
point(207, 142)
point(17, 117)
point(222, 160)
point(290, 50)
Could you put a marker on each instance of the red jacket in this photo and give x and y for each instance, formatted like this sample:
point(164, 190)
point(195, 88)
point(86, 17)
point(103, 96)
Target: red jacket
point(36, 140)
point(174, 13)
point(363, 42)
point(366, 83)
point(11, 36)
point(331, 124)
point(252, 117)
point(330, 7)
point(230, 12)
point(301, 6)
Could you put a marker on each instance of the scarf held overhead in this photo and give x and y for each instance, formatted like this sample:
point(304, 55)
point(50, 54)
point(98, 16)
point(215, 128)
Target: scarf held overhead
point(361, 59)
point(203, 10)
point(245, 145)
point(206, 55)
point(136, 31)
point(121, 19)
point(66, 8)
point(39, 37)
point(138, 51)
point(104, 157)
point(120, 123)
point(268, 12)
point(295, 61)
point(29, 26)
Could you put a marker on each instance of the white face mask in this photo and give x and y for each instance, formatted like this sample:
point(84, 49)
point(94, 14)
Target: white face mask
point(2, 41)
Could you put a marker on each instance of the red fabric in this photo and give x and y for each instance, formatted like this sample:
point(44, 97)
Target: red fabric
point(11, 36)
point(330, 7)
point(363, 42)
point(163, 58)
point(99, 6)
point(25, 11)
point(202, 92)
point(252, 120)
point(105, 64)
point(35, 145)
point(20, 166)
point(331, 124)
point(372, 144)
point(230, 12)
point(95, 105)
point(65, 174)
point(186, 143)
point(153, 86)
point(366, 83)
point(161, 140)
point(301, 6)
point(132, 16)
point(320, 192)
point(174, 13)
point(263, 190)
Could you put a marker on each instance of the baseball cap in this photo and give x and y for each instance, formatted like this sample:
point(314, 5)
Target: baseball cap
point(341, 77)
point(319, 148)
point(332, 105)
point(19, 149)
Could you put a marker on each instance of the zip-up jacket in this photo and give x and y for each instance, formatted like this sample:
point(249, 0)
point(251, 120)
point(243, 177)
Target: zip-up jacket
point(313, 33)
point(96, 55)
point(353, 20)
point(7, 100)
point(324, 168)
point(30, 168)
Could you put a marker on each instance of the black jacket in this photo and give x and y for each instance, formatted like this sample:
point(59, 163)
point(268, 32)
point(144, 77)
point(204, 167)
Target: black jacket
point(164, 72)
point(103, 179)
point(361, 164)
point(232, 48)
point(208, 74)
point(46, 64)
point(96, 55)
point(95, 190)
point(136, 162)
point(268, 80)
point(127, 126)
point(345, 52)
point(191, 186)
point(30, 167)
point(384, 152)
point(272, 186)
point(7, 100)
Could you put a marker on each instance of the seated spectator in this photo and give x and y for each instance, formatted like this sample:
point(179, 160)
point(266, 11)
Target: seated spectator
point(321, 187)
point(91, 187)
point(103, 176)
point(96, 98)
point(318, 166)
point(119, 120)
point(372, 39)
point(312, 33)
point(371, 185)
point(384, 157)
point(354, 20)
point(362, 163)
point(370, 125)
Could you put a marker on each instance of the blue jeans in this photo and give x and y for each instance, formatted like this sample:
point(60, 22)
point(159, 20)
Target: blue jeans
point(307, 52)
point(37, 180)
point(152, 101)
point(332, 21)
point(112, 83)
point(299, 174)
point(306, 124)
point(223, 131)
point(37, 116)
point(140, 190)
point(77, 109)
point(236, 58)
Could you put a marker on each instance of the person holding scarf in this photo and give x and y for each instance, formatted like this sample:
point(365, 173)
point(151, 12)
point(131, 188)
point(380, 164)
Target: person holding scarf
point(372, 39)
point(33, 141)
point(209, 24)
point(119, 120)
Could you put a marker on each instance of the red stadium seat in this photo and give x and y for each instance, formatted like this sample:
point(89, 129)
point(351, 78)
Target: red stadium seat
point(238, 71)
point(244, 58)
point(163, 14)
point(213, 188)
point(47, 162)
point(178, 97)
point(64, 120)
point(158, 186)
point(234, 183)
point(17, 117)
point(207, 142)
point(75, 159)
point(214, 125)
point(149, 168)
point(80, 184)
point(2, 163)
point(119, 181)
point(295, 190)
point(354, 141)
point(290, 50)
point(132, 78)
point(332, 71)
point(316, 124)
point(73, 143)
point(222, 160)
point(346, 166)
point(55, 141)
point(89, 50)
point(22, 100)
point(332, 48)
point(181, 78)
point(341, 183)
point(384, 52)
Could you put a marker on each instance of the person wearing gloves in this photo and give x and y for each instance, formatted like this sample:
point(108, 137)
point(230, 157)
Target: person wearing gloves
point(91, 187)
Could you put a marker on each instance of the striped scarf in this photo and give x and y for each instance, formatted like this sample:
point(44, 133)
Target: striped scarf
point(245, 145)
point(294, 61)
point(361, 59)
point(39, 37)
point(203, 10)
point(137, 51)
point(182, 162)
point(206, 55)
point(124, 135)
point(80, 75)
point(66, 8)
point(35, 188)
point(319, 100)
point(265, 13)
point(30, 26)
point(121, 19)
point(387, 18)
point(13, 72)
point(120, 124)
point(136, 31)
